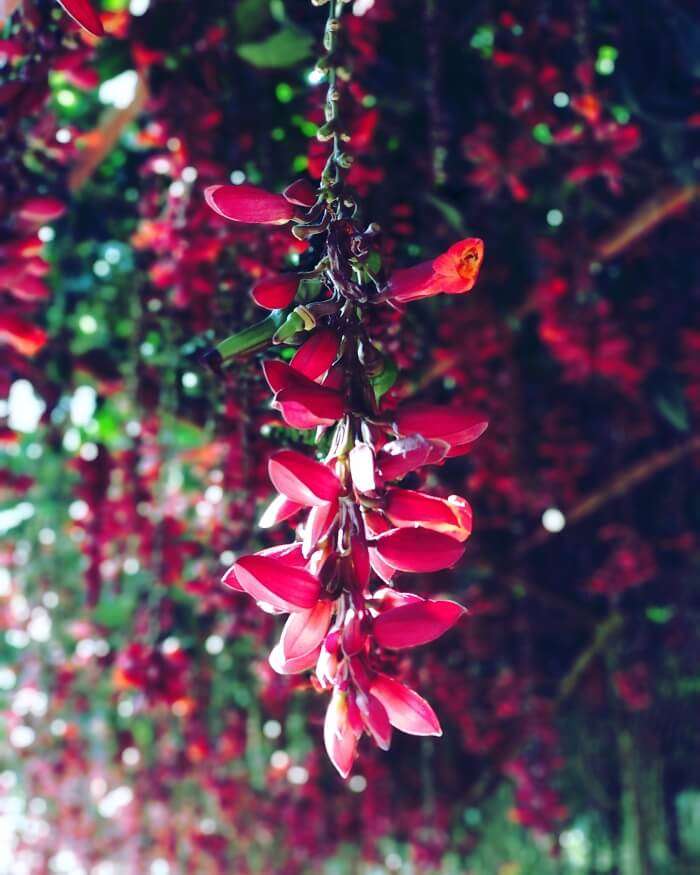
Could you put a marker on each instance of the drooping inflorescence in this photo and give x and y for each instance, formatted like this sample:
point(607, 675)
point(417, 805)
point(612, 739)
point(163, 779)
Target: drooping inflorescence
point(356, 527)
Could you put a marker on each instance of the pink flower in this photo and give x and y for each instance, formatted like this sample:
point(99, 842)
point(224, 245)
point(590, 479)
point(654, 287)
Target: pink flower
point(247, 203)
point(302, 402)
point(417, 622)
point(418, 550)
point(407, 711)
point(339, 735)
point(302, 479)
point(451, 516)
point(453, 426)
point(41, 209)
point(275, 583)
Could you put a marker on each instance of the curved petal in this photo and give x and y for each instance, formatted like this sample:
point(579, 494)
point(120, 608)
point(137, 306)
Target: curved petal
point(452, 516)
point(283, 586)
point(248, 203)
point(310, 407)
point(275, 292)
point(292, 666)
point(302, 479)
point(408, 712)
point(304, 631)
point(278, 510)
point(82, 12)
point(414, 624)
point(315, 356)
point(450, 424)
point(417, 549)
point(24, 337)
point(338, 736)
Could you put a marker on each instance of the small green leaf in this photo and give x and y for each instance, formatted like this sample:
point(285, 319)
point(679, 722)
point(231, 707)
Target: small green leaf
point(671, 405)
point(285, 48)
point(450, 214)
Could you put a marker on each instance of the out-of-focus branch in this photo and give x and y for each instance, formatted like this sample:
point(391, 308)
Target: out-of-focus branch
point(620, 485)
point(653, 212)
point(100, 142)
point(607, 630)
point(644, 219)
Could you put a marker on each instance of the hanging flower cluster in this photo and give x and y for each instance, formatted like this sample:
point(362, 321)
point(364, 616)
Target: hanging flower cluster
point(360, 525)
point(359, 528)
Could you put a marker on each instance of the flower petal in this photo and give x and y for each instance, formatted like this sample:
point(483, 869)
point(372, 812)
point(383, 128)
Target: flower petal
point(301, 192)
point(307, 407)
point(376, 720)
point(305, 630)
point(318, 522)
point(42, 209)
point(278, 510)
point(407, 711)
point(450, 424)
point(292, 666)
point(302, 479)
point(362, 468)
point(82, 12)
point(26, 338)
point(248, 203)
point(417, 549)
point(317, 354)
point(414, 624)
point(338, 736)
point(452, 516)
point(410, 282)
point(284, 587)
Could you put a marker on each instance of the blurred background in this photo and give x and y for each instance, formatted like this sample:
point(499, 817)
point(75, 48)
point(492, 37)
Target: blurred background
point(142, 731)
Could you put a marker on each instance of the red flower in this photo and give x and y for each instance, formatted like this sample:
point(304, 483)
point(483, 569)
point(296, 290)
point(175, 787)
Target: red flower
point(454, 272)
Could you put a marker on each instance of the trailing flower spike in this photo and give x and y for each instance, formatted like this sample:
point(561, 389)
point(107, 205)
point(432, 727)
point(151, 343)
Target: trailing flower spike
point(356, 527)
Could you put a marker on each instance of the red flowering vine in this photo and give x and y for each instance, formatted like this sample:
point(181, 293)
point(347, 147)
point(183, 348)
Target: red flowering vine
point(356, 527)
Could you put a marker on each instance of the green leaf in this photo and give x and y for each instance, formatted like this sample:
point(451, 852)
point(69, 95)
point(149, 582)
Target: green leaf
point(285, 48)
point(114, 611)
point(250, 16)
point(450, 214)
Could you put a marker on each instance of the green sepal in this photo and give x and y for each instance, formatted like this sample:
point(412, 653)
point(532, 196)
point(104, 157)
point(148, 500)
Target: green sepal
point(292, 325)
point(252, 338)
